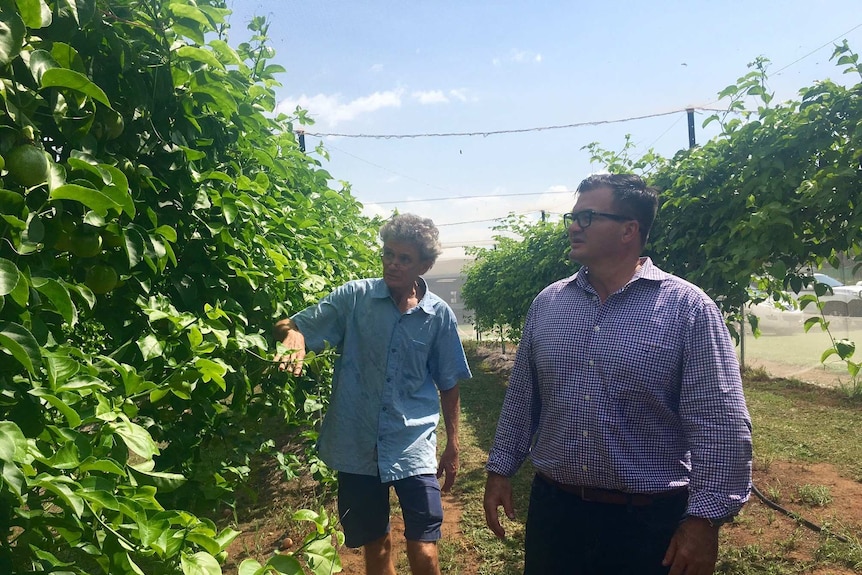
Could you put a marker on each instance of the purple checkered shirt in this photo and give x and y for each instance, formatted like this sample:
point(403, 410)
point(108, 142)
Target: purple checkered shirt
point(641, 393)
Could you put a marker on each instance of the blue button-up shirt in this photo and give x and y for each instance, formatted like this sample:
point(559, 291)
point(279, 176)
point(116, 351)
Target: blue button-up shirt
point(640, 393)
point(384, 408)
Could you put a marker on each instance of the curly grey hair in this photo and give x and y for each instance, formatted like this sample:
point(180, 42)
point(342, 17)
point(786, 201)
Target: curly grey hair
point(410, 228)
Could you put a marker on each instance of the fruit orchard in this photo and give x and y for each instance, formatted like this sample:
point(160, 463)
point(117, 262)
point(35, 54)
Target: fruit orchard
point(157, 216)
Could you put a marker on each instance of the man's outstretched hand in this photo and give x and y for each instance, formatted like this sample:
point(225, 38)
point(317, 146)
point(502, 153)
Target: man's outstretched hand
point(294, 343)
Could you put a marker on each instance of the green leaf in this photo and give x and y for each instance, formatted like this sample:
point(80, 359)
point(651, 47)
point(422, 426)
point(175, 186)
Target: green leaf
point(203, 540)
point(167, 232)
point(59, 296)
point(35, 13)
point(133, 243)
point(72, 417)
point(14, 478)
point(103, 498)
point(182, 10)
point(306, 515)
point(211, 371)
point(229, 210)
point(65, 458)
point(290, 565)
point(225, 52)
point(150, 347)
point(200, 55)
point(12, 32)
point(226, 536)
point(151, 530)
point(845, 348)
point(11, 202)
point(136, 438)
point(84, 384)
point(64, 78)
point(40, 62)
point(251, 567)
point(99, 201)
point(103, 465)
point(200, 563)
point(164, 482)
point(21, 292)
point(811, 322)
point(221, 97)
point(13, 444)
point(58, 486)
point(21, 344)
point(322, 557)
point(9, 277)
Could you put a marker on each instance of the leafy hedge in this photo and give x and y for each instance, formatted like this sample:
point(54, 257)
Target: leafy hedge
point(157, 216)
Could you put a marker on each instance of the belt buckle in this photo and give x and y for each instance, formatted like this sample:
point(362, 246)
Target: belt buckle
point(584, 494)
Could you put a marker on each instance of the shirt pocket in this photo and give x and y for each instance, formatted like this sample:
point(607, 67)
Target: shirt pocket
point(653, 369)
point(416, 361)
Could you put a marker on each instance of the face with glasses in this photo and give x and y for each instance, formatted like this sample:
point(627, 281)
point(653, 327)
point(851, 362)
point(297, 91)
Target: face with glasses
point(597, 230)
point(402, 265)
point(584, 218)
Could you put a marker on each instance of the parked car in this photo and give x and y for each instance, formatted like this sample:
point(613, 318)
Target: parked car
point(842, 300)
point(777, 318)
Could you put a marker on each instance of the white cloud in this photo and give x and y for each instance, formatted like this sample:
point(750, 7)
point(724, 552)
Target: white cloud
point(376, 68)
point(431, 97)
point(332, 109)
point(518, 57)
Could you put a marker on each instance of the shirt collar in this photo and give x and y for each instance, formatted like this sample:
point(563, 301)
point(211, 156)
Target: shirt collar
point(647, 271)
point(381, 290)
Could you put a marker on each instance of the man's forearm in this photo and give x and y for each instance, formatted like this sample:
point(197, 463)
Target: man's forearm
point(450, 401)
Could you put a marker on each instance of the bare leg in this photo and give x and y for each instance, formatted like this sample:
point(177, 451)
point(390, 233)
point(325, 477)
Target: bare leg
point(423, 557)
point(378, 557)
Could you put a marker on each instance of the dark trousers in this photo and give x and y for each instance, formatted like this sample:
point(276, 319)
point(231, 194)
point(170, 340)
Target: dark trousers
point(569, 536)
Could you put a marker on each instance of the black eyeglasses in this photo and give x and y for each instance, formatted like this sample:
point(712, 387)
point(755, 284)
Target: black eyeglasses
point(585, 218)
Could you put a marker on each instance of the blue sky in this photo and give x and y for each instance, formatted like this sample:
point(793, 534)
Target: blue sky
point(413, 68)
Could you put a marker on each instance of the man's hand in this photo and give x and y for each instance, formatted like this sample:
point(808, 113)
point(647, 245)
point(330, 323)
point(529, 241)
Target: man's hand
point(498, 491)
point(448, 466)
point(293, 340)
point(693, 549)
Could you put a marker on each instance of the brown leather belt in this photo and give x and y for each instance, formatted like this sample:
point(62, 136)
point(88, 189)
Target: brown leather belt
point(611, 496)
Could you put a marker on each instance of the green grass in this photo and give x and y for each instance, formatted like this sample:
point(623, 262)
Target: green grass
point(799, 422)
point(803, 350)
point(792, 422)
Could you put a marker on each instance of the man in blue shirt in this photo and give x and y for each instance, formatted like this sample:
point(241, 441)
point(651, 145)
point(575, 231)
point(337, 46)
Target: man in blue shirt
point(626, 395)
point(398, 347)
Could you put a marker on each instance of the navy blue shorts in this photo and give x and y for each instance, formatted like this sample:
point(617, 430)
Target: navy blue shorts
point(363, 506)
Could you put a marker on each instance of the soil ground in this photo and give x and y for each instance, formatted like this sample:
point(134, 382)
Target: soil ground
point(769, 532)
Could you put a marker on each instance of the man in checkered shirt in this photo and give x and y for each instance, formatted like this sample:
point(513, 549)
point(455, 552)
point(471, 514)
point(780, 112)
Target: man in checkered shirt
point(626, 395)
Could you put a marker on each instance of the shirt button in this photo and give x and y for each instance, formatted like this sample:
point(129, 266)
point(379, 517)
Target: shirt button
point(586, 433)
point(597, 328)
point(587, 397)
point(592, 362)
point(584, 467)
